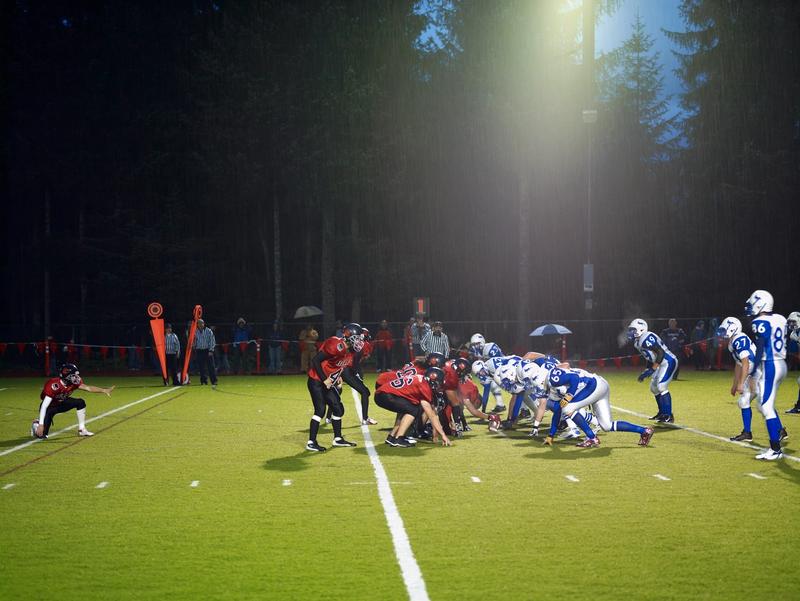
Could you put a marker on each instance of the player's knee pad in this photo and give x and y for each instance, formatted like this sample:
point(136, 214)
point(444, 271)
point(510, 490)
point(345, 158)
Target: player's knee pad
point(744, 399)
point(337, 409)
point(658, 388)
point(80, 404)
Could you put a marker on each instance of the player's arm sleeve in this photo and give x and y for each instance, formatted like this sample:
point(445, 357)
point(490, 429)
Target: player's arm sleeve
point(43, 409)
point(573, 385)
point(555, 419)
point(316, 363)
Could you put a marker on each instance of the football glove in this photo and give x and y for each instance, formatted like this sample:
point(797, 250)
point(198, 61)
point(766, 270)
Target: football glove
point(548, 441)
point(563, 403)
point(645, 374)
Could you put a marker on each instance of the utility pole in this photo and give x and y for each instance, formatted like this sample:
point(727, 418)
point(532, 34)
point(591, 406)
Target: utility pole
point(589, 118)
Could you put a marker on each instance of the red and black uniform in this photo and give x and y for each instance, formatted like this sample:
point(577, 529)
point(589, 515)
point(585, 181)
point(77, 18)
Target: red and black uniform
point(403, 395)
point(384, 343)
point(409, 369)
point(329, 362)
point(60, 393)
point(353, 377)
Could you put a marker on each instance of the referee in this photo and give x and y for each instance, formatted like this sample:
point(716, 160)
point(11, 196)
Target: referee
point(436, 341)
point(204, 344)
point(173, 350)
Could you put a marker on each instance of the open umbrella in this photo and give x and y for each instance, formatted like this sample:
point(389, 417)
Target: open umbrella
point(550, 328)
point(307, 311)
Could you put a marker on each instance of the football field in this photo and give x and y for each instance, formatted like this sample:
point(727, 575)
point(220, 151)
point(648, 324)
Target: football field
point(195, 493)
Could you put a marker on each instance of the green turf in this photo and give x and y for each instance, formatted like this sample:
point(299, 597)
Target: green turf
point(523, 532)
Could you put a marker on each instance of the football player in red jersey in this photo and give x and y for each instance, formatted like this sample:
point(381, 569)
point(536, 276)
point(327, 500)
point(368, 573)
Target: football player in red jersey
point(56, 398)
point(456, 372)
point(409, 397)
point(323, 379)
point(354, 378)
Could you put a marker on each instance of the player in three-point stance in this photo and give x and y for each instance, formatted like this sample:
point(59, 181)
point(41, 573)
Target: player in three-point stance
point(744, 376)
point(483, 351)
point(769, 331)
point(661, 366)
point(576, 389)
point(57, 398)
point(793, 329)
point(323, 378)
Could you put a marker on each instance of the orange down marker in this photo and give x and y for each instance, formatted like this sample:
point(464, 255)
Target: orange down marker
point(155, 311)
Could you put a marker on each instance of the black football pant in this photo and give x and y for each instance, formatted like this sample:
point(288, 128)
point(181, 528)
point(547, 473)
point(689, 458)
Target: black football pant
point(205, 364)
point(353, 380)
point(172, 369)
point(55, 408)
point(323, 397)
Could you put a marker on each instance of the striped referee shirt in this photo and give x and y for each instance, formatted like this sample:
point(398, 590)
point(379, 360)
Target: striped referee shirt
point(172, 344)
point(418, 334)
point(436, 344)
point(204, 340)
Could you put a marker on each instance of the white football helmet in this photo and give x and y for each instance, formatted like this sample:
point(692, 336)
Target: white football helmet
point(636, 328)
point(759, 302)
point(530, 375)
point(793, 321)
point(729, 328)
point(476, 343)
point(479, 369)
point(506, 378)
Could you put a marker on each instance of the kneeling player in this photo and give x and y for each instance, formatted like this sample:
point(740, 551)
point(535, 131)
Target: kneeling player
point(409, 396)
point(56, 398)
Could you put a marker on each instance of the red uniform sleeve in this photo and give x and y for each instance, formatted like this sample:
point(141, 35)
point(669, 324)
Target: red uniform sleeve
point(334, 347)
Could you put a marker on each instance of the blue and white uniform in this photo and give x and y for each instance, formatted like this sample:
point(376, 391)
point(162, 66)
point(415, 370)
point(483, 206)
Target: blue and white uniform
point(769, 331)
point(584, 389)
point(490, 351)
point(653, 350)
point(741, 347)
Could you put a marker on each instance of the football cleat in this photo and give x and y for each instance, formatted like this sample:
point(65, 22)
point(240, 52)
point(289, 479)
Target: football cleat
point(85, 432)
point(667, 419)
point(743, 437)
point(795, 410)
point(588, 443)
point(312, 445)
point(499, 408)
point(770, 455)
point(391, 441)
point(534, 433)
point(784, 435)
point(646, 436)
point(368, 422)
point(658, 417)
point(341, 442)
point(402, 442)
point(410, 440)
point(569, 434)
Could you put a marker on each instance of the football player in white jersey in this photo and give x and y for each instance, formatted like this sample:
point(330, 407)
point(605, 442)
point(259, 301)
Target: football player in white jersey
point(661, 367)
point(484, 351)
point(793, 329)
point(769, 331)
point(743, 352)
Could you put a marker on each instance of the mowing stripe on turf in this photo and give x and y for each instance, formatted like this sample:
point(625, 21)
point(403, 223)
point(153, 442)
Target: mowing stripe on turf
point(704, 433)
point(409, 569)
point(25, 445)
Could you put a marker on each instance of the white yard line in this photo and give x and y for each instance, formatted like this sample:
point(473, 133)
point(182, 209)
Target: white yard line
point(287, 483)
point(195, 483)
point(2, 389)
point(703, 433)
point(9, 486)
point(25, 445)
point(475, 479)
point(660, 477)
point(756, 476)
point(571, 478)
point(102, 484)
point(409, 569)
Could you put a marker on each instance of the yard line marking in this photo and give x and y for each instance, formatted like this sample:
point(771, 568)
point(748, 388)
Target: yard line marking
point(25, 445)
point(392, 482)
point(259, 410)
point(412, 575)
point(287, 482)
point(571, 478)
point(10, 485)
point(357, 401)
point(475, 479)
point(660, 477)
point(102, 484)
point(703, 433)
point(195, 483)
point(756, 476)
point(9, 413)
point(212, 411)
point(2, 389)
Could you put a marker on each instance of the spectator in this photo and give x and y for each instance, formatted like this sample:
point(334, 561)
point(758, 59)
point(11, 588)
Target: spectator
point(241, 347)
point(419, 330)
point(173, 351)
point(383, 344)
point(308, 346)
point(204, 344)
point(698, 340)
point(436, 341)
point(275, 337)
point(407, 338)
point(674, 337)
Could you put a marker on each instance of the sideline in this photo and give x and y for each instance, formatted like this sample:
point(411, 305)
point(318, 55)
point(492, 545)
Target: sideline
point(412, 575)
point(25, 445)
point(747, 445)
